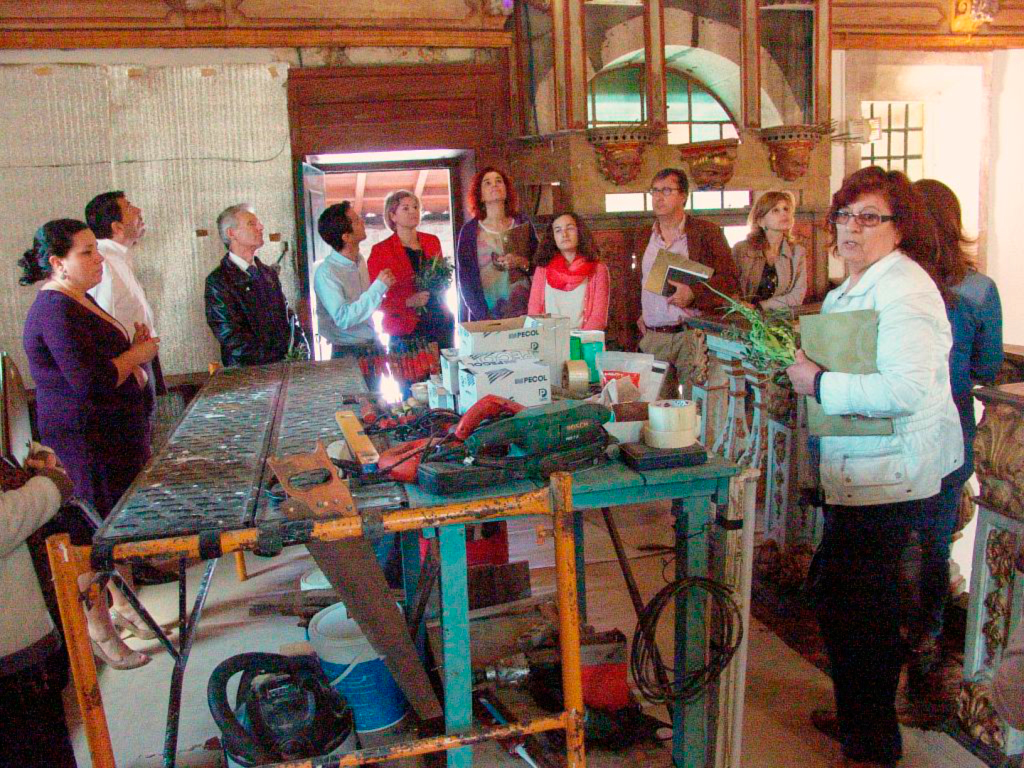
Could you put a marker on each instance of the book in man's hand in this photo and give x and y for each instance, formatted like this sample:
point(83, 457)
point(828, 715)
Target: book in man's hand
point(845, 342)
point(671, 268)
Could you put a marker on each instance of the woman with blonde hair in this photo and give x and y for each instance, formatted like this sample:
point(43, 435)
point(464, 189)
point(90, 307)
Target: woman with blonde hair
point(772, 266)
point(410, 314)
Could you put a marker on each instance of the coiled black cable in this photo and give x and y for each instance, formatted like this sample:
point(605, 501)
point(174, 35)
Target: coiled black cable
point(659, 682)
point(433, 423)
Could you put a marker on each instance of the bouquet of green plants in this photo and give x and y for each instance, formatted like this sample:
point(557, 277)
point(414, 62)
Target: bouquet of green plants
point(434, 276)
point(771, 341)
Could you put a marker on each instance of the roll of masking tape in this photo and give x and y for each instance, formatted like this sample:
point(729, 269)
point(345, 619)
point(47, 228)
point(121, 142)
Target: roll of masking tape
point(672, 415)
point(681, 439)
point(576, 378)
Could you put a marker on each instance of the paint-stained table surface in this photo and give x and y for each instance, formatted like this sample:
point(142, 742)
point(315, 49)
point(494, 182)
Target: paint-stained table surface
point(211, 474)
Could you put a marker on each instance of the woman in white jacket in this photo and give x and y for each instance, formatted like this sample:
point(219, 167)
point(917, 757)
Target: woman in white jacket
point(33, 666)
point(874, 486)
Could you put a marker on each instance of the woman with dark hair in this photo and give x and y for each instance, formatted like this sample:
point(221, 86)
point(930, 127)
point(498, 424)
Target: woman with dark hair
point(875, 486)
point(494, 281)
point(772, 265)
point(90, 392)
point(410, 315)
point(570, 280)
point(976, 316)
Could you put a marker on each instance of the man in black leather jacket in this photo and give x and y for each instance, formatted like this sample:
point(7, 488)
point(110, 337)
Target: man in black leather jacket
point(245, 307)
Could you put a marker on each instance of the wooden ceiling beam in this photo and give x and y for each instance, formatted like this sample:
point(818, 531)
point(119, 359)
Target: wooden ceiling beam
point(266, 37)
point(848, 41)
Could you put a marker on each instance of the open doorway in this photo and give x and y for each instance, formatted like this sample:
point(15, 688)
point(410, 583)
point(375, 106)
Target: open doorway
point(365, 180)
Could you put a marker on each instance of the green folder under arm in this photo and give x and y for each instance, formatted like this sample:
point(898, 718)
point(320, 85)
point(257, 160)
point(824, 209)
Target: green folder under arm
point(846, 342)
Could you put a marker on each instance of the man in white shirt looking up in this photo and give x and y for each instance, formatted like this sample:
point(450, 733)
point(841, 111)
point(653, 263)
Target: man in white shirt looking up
point(346, 300)
point(119, 226)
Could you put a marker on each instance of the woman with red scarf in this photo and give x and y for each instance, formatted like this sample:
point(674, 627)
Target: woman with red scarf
point(569, 280)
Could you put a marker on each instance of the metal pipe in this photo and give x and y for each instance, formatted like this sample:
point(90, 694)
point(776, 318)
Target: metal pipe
point(634, 595)
point(66, 569)
point(568, 617)
point(434, 744)
point(148, 620)
point(501, 507)
point(188, 633)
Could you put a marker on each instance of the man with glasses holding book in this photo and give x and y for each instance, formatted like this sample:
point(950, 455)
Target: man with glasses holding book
point(663, 318)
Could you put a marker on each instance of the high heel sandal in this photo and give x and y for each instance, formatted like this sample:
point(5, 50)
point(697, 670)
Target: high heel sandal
point(133, 660)
point(136, 626)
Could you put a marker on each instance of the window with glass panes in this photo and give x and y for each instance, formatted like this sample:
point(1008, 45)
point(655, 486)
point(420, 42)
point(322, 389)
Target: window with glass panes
point(900, 144)
point(694, 113)
point(616, 96)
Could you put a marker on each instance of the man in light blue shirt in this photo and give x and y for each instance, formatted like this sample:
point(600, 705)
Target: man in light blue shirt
point(346, 300)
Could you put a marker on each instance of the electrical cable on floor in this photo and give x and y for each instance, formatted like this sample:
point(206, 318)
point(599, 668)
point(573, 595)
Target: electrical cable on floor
point(722, 615)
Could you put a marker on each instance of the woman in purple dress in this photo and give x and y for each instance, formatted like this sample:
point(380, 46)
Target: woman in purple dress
point(91, 398)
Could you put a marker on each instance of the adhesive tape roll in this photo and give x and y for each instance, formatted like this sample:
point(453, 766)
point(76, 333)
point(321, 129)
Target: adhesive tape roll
point(681, 439)
point(673, 415)
point(576, 378)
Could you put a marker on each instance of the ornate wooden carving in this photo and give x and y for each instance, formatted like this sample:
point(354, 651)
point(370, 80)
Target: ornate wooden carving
point(999, 457)
point(780, 402)
point(695, 351)
point(620, 150)
point(1012, 370)
point(968, 16)
point(796, 564)
point(711, 163)
point(976, 714)
point(1000, 550)
point(789, 148)
point(965, 511)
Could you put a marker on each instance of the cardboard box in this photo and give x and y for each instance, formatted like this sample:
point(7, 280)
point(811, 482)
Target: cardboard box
point(499, 335)
point(439, 396)
point(554, 348)
point(519, 376)
point(450, 370)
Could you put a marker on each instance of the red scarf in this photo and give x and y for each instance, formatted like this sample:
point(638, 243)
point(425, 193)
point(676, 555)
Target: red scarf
point(563, 276)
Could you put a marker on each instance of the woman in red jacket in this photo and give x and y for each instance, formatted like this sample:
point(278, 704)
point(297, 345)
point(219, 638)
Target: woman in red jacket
point(410, 315)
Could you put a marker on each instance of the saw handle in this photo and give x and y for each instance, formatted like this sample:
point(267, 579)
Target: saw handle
point(486, 408)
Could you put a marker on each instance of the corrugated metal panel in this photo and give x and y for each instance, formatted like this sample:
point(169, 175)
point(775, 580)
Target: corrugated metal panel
point(183, 142)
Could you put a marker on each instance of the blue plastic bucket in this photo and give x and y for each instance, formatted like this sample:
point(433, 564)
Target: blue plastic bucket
point(356, 671)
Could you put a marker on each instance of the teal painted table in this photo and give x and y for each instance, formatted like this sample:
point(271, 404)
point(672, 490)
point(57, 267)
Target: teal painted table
point(694, 492)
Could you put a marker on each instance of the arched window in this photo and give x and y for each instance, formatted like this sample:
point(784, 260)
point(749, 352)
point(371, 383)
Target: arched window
point(616, 96)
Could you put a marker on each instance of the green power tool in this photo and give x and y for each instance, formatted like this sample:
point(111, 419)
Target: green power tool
point(561, 436)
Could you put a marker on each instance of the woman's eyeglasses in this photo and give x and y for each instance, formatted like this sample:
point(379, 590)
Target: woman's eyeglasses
point(865, 219)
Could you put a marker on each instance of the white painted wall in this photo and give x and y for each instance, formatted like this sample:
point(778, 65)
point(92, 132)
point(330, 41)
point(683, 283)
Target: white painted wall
point(183, 141)
point(1006, 191)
